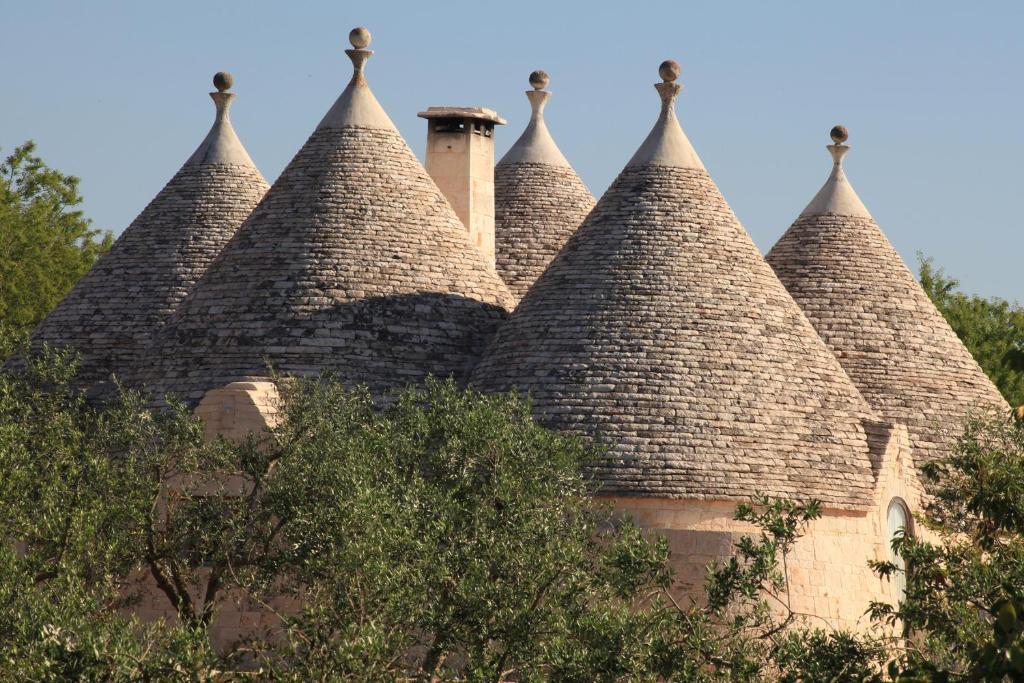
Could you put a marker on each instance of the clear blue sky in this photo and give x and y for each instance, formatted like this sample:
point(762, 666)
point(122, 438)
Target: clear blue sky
point(115, 92)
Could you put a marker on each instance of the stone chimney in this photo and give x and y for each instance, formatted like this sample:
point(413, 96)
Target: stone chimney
point(460, 159)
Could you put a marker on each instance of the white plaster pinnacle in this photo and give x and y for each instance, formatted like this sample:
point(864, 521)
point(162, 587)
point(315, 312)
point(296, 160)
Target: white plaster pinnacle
point(536, 145)
point(837, 195)
point(356, 106)
point(221, 145)
point(667, 144)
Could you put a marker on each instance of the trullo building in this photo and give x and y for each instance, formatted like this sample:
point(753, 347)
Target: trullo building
point(539, 200)
point(866, 304)
point(660, 329)
point(111, 316)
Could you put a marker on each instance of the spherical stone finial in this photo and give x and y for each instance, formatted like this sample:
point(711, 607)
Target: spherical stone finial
point(223, 80)
point(359, 37)
point(539, 79)
point(669, 70)
point(839, 134)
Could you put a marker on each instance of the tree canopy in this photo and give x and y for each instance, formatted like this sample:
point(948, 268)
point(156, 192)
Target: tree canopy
point(992, 329)
point(444, 535)
point(46, 243)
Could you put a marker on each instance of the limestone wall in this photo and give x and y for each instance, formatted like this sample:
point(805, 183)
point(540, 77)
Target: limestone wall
point(828, 572)
point(828, 569)
point(238, 409)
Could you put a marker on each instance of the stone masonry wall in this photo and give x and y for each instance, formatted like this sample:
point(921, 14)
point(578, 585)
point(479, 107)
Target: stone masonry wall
point(829, 576)
point(830, 580)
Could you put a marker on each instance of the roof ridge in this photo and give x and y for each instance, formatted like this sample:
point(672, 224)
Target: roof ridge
point(660, 329)
point(539, 200)
point(112, 312)
point(354, 263)
point(868, 307)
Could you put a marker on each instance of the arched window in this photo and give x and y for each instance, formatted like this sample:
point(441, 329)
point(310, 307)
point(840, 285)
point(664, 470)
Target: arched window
point(898, 517)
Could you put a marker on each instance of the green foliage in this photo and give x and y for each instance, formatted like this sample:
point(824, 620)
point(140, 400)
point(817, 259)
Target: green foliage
point(62, 630)
point(965, 580)
point(72, 496)
point(11, 340)
point(445, 534)
point(468, 546)
point(832, 656)
point(992, 329)
point(758, 570)
point(758, 636)
point(46, 244)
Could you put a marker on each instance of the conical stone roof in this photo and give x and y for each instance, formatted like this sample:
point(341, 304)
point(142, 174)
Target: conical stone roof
point(112, 314)
point(538, 199)
point(660, 329)
point(868, 307)
point(354, 263)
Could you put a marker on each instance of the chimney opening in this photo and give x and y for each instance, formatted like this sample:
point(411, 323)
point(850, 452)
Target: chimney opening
point(449, 126)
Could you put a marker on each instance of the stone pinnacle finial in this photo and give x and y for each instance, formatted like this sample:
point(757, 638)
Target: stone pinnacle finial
point(356, 106)
point(837, 196)
point(536, 145)
point(360, 37)
point(223, 80)
point(221, 145)
point(668, 89)
point(538, 97)
point(839, 134)
point(669, 70)
point(837, 149)
point(666, 144)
